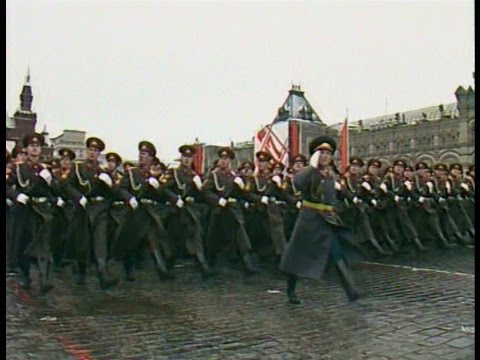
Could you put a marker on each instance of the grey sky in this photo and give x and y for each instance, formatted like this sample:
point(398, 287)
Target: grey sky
point(171, 71)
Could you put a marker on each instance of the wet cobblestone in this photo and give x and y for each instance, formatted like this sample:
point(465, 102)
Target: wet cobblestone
point(403, 314)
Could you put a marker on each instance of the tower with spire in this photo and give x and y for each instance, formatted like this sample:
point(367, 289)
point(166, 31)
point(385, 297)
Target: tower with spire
point(24, 119)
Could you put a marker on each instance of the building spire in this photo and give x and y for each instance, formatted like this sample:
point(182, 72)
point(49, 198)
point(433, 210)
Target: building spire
point(27, 77)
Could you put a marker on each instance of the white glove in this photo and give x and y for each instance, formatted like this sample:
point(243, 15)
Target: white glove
point(276, 179)
point(464, 186)
point(46, 175)
point(264, 200)
point(356, 200)
point(222, 202)
point(314, 159)
point(60, 202)
point(9, 202)
point(374, 202)
point(239, 182)
point(83, 202)
point(299, 205)
point(384, 187)
point(441, 199)
point(179, 203)
point(105, 178)
point(408, 185)
point(133, 203)
point(153, 182)
point(430, 186)
point(246, 205)
point(396, 198)
point(22, 198)
point(367, 186)
point(338, 186)
point(198, 182)
point(421, 199)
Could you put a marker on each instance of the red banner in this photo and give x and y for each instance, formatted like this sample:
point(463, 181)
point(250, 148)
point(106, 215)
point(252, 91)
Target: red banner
point(198, 159)
point(294, 144)
point(344, 148)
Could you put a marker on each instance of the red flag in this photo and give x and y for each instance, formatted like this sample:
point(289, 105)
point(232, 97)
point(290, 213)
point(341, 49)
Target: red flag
point(198, 159)
point(344, 147)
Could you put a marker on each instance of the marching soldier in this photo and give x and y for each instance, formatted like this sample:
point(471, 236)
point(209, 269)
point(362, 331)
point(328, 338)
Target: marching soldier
point(246, 169)
point(424, 212)
point(457, 199)
point(144, 224)
point(10, 188)
point(378, 202)
point(293, 195)
point(319, 234)
point(442, 190)
point(266, 223)
point(91, 191)
point(397, 214)
point(185, 223)
point(63, 212)
point(222, 190)
point(33, 199)
point(470, 203)
point(355, 193)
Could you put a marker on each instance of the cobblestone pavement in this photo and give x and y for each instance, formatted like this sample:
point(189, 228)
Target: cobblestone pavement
point(408, 311)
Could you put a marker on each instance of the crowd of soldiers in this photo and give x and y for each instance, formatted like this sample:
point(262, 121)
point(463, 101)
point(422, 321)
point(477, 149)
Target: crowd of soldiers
point(87, 213)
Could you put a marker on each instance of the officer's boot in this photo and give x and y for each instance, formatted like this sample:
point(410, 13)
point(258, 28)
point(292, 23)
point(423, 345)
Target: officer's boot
point(204, 267)
point(45, 278)
point(392, 244)
point(443, 242)
point(347, 281)
point(247, 264)
point(161, 266)
point(105, 281)
point(57, 263)
point(80, 271)
point(419, 246)
point(129, 265)
point(292, 295)
point(24, 276)
point(378, 248)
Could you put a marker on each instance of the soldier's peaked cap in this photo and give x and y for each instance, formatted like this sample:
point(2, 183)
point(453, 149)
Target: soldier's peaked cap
point(399, 162)
point(356, 161)
point(323, 142)
point(34, 138)
point(65, 152)
point(113, 156)
point(299, 158)
point(263, 156)
point(421, 165)
point(456, 166)
point(226, 152)
point(374, 162)
point(187, 150)
point(440, 166)
point(148, 147)
point(96, 143)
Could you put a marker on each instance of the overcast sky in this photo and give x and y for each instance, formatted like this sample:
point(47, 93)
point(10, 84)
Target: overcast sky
point(173, 71)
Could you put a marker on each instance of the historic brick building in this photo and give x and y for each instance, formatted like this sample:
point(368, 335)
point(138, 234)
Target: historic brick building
point(24, 121)
point(443, 133)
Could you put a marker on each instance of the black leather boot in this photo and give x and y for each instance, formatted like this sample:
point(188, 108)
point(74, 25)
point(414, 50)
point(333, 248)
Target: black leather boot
point(45, 278)
point(24, 276)
point(105, 281)
point(291, 294)
point(347, 281)
point(418, 245)
point(128, 265)
point(204, 267)
point(163, 272)
point(248, 266)
point(380, 251)
point(80, 273)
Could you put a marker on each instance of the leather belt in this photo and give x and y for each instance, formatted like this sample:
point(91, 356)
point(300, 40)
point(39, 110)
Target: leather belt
point(319, 207)
point(95, 199)
point(39, 200)
point(118, 203)
point(148, 201)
